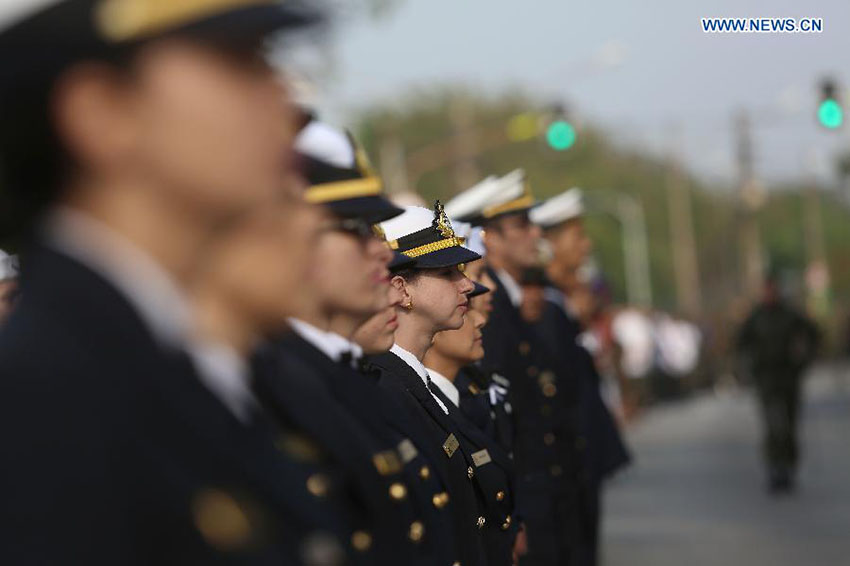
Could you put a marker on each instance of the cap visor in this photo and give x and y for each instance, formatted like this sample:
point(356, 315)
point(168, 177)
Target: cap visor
point(479, 290)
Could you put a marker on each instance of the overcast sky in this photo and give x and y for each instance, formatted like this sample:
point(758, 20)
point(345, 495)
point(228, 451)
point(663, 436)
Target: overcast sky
point(633, 67)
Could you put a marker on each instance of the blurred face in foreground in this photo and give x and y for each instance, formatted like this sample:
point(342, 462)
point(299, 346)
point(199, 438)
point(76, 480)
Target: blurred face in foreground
point(207, 126)
point(257, 269)
point(462, 346)
point(377, 334)
point(349, 271)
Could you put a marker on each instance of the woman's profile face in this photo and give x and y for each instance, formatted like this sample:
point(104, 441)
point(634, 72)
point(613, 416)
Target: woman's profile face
point(440, 296)
point(465, 344)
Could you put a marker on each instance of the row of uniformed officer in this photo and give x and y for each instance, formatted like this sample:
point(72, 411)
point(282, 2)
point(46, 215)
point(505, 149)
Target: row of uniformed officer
point(563, 437)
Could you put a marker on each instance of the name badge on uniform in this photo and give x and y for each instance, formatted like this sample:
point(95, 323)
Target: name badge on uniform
point(407, 451)
point(481, 457)
point(450, 445)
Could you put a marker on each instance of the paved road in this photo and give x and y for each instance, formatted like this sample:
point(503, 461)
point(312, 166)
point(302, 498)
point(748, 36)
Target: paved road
point(696, 496)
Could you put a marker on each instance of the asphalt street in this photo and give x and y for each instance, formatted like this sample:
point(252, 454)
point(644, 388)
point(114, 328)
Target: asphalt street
point(696, 493)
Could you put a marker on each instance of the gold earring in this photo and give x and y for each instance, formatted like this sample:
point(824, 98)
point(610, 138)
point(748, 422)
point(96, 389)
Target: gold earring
point(409, 306)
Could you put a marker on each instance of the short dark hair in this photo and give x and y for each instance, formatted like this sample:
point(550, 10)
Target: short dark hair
point(31, 159)
point(34, 162)
point(495, 224)
point(409, 274)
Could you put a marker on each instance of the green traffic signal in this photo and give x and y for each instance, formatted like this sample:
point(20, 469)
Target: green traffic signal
point(830, 114)
point(560, 135)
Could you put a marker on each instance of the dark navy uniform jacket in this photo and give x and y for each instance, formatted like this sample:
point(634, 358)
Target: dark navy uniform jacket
point(479, 473)
point(115, 453)
point(496, 476)
point(604, 451)
point(495, 419)
point(602, 448)
point(371, 435)
point(543, 398)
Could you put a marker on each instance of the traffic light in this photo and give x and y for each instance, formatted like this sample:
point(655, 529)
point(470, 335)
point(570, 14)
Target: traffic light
point(830, 112)
point(560, 134)
point(553, 128)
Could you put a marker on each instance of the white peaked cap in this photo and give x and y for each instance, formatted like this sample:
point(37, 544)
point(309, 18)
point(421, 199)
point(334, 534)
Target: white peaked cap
point(14, 11)
point(472, 235)
point(489, 197)
point(325, 143)
point(413, 219)
point(512, 186)
point(558, 209)
point(473, 200)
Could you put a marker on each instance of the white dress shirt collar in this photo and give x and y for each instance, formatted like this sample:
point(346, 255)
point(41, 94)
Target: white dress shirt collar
point(446, 386)
point(156, 298)
point(420, 370)
point(150, 289)
point(226, 374)
point(511, 287)
point(329, 343)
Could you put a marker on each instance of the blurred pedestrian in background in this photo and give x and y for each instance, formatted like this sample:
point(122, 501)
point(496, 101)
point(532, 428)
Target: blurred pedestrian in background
point(777, 343)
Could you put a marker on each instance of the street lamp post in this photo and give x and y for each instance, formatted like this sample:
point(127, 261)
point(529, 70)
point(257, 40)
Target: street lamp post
point(628, 211)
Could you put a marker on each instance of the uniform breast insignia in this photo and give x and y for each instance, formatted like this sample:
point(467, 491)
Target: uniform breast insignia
point(500, 380)
point(224, 523)
point(481, 457)
point(547, 383)
point(474, 389)
point(450, 445)
point(386, 462)
point(407, 450)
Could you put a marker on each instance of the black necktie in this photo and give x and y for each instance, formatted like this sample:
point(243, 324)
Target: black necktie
point(346, 359)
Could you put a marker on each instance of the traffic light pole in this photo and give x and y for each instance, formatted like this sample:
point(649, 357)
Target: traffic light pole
point(628, 211)
point(749, 239)
point(682, 238)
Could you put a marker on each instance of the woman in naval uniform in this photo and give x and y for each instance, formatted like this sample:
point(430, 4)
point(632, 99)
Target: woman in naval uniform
point(435, 297)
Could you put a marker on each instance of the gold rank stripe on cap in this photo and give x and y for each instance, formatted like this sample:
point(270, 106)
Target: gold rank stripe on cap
point(128, 20)
point(430, 248)
point(481, 457)
point(520, 203)
point(340, 190)
point(450, 445)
